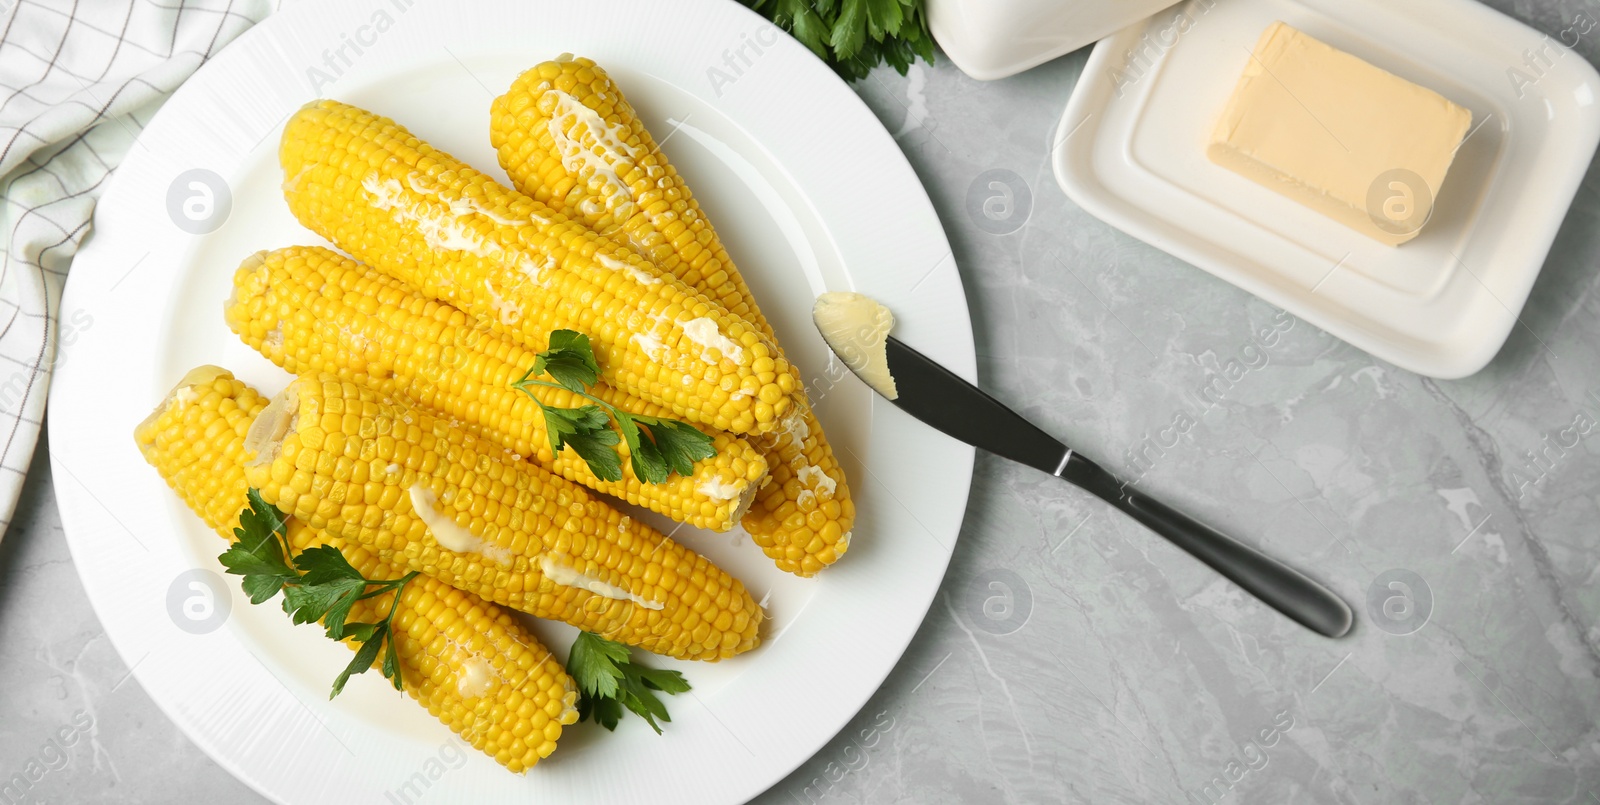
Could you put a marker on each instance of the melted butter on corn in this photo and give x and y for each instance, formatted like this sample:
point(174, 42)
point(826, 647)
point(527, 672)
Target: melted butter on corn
point(475, 678)
point(653, 347)
point(705, 333)
point(506, 311)
point(459, 207)
point(813, 476)
point(639, 275)
point(717, 489)
point(566, 575)
point(575, 157)
point(446, 230)
point(185, 396)
point(797, 429)
point(447, 532)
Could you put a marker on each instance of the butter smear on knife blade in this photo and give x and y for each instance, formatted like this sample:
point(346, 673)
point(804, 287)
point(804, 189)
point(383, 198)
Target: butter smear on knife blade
point(857, 329)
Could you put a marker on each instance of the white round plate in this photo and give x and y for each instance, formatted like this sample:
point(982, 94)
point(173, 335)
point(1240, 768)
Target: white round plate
point(810, 194)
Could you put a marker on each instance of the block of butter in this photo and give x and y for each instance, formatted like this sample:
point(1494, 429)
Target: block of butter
point(1347, 139)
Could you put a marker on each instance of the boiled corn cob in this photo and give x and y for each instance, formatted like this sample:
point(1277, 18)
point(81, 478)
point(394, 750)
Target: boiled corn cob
point(469, 662)
point(428, 494)
point(566, 136)
point(427, 219)
point(311, 309)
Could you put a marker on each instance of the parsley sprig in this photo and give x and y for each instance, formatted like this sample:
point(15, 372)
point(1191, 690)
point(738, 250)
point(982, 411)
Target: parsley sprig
point(608, 680)
point(854, 36)
point(670, 446)
point(318, 584)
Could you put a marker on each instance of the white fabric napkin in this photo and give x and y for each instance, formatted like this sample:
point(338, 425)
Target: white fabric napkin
point(78, 80)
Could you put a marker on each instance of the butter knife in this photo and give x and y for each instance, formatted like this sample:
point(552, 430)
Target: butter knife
point(940, 398)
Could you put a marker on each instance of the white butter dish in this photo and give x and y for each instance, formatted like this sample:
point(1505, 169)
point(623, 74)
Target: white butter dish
point(1130, 149)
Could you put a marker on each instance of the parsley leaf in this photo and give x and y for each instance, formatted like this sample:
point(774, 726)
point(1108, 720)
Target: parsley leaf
point(365, 656)
point(326, 592)
point(670, 682)
point(599, 451)
point(593, 664)
point(588, 431)
point(671, 446)
point(258, 552)
point(582, 420)
point(308, 603)
point(319, 585)
point(849, 29)
point(854, 36)
point(678, 444)
point(570, 360)
point(646, 460)
point(883, 17)
point(608, 681)
point(605, 712)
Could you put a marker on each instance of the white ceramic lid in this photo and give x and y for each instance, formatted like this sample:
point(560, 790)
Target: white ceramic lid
point(991, 39)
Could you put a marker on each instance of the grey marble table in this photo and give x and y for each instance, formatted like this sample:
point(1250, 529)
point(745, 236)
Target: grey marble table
point(1072, 656)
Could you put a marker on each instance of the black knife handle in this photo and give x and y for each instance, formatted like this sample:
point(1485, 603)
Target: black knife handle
point(1276, 584)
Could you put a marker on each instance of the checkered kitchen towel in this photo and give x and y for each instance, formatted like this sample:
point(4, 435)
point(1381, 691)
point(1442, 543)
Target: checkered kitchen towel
point(78, 80)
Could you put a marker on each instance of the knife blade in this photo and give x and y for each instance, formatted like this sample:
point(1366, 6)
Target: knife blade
point(942, 399)
point(957, 408)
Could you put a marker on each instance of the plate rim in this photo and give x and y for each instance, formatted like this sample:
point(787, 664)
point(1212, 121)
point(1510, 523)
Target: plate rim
point(78, 502)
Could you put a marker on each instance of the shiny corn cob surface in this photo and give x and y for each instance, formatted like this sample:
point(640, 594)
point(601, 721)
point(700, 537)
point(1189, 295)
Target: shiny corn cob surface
point(427, 219)
point(469, 662)
point(311, 309)
point(426, 493)
point(566, 136)
point(803, 515)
